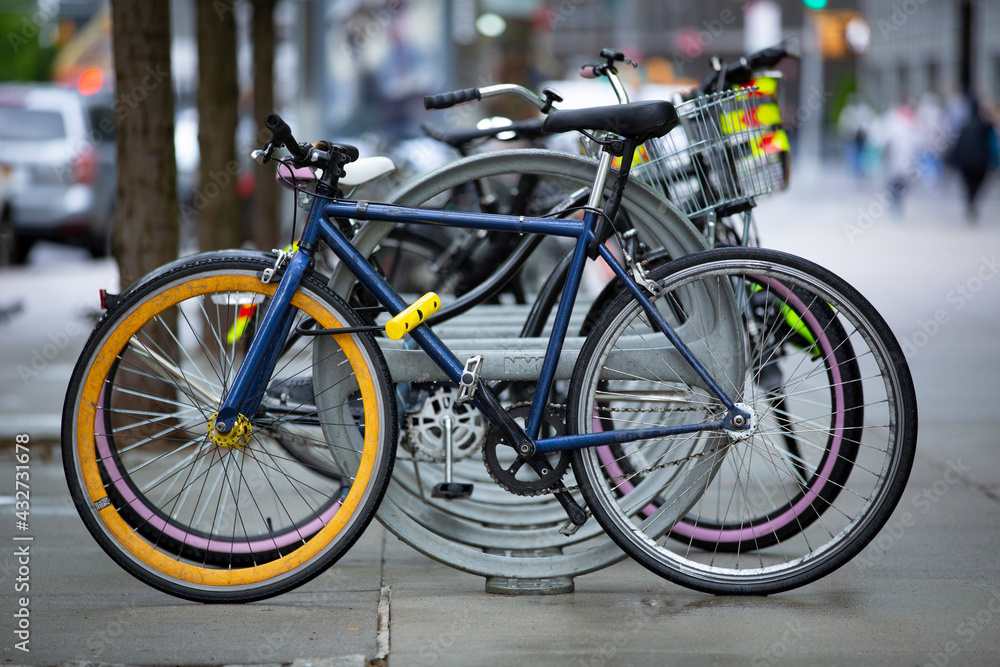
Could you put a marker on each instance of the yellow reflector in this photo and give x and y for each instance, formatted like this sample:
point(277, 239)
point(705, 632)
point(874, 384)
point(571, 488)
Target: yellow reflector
point(766, 85)
point(410, 318)
point(732, 122)
point(768, 114)
point(243, 316)
point(777, 142)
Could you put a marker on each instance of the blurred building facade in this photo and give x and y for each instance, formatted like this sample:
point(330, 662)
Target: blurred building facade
point(940, 46)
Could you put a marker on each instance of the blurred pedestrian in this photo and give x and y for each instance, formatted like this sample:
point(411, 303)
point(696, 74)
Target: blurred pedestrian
point(931, 127)
point(974, 154)
point(902, 145)
point(854, 122)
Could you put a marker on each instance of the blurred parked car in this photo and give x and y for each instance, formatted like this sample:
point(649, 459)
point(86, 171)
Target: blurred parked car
point(60, 146)
point(6, 225)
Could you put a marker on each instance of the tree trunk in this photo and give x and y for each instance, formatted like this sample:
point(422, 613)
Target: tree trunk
point(146, 225)
point(265, 226)
point(216, 199)
point(146, 219)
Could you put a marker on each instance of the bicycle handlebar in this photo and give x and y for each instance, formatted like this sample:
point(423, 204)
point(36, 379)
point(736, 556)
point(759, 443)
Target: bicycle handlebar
point(741, 71)
point(324, 155)
point(446, 100)
point(768, 57)
point(455, 97)
point(282, 136)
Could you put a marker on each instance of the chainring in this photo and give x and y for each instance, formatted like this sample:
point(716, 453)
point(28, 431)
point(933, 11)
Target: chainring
point(513, 472)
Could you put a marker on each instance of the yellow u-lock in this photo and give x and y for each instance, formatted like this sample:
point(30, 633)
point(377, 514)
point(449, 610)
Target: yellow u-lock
point(414, 314)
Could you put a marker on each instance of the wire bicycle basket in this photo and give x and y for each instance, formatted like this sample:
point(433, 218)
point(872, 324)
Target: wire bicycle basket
point(766, 108)
point(715, 158)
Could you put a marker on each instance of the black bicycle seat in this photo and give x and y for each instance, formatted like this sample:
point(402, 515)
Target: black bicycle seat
point(525, 129)
point(640, 121)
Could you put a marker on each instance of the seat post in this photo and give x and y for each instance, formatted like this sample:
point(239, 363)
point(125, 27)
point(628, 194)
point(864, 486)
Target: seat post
point(601, 231)
point(603, 167)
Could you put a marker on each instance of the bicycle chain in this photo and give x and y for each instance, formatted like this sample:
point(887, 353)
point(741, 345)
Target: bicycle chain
point(576, 487)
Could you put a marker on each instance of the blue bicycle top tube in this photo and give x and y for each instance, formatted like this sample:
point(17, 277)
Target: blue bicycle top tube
point(504, 223)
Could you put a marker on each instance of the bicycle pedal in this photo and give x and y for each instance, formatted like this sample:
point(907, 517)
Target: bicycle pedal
point(470, 379)
point(569, 528)
point(452, 490)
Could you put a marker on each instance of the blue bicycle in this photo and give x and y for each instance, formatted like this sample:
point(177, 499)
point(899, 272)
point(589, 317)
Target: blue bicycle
point(174, 419)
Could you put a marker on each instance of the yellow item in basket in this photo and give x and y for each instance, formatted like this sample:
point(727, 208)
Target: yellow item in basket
point(740, 121)
point(766, 85)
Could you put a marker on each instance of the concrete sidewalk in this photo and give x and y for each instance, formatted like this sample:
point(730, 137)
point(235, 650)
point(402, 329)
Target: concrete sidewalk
point(916, 594)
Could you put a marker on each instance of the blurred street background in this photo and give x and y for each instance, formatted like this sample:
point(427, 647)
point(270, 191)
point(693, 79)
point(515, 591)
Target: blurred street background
point(886, 189)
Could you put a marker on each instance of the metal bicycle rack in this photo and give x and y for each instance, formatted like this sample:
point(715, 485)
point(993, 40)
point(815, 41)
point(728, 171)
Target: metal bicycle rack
point(513, 541)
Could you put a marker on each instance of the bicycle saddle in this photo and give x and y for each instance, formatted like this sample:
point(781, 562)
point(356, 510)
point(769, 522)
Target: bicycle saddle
point(640, 121)
point(528, 129)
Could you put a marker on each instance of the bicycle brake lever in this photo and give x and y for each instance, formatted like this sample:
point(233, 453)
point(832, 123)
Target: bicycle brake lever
point(263, 156)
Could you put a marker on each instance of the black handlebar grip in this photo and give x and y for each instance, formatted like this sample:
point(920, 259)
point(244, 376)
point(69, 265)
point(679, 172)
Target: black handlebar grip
point(279, 128)
point(768, 57)
point(446, 100)
point(283, 135)
point(613, 55)
point(350, 151)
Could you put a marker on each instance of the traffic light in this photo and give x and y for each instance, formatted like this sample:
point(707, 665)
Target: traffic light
point(814, 4)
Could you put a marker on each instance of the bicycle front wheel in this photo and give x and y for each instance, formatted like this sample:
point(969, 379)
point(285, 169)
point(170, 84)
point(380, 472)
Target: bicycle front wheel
point(768, 517)
point(204, 516)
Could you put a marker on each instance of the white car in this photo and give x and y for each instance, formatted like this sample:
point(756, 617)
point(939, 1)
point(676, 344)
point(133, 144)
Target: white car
point(6, 224)
point(60, 149)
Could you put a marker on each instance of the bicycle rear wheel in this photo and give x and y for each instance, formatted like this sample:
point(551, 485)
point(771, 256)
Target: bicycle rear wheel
point(767, 521)
point(807, 373)
point(213, 518)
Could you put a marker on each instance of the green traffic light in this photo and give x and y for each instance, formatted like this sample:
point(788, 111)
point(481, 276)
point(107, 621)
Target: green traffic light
point(814, 4)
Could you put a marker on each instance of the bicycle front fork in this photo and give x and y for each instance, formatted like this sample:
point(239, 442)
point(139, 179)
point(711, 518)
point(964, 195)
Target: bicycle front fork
point(247, 391)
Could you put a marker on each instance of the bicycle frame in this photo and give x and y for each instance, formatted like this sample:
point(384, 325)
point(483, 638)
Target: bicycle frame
point(246, 392)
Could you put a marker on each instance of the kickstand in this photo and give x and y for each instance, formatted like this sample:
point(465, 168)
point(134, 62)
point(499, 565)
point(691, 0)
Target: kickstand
point(448, 489)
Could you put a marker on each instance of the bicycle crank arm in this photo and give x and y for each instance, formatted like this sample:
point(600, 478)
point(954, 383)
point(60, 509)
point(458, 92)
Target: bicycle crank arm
point(577, 515)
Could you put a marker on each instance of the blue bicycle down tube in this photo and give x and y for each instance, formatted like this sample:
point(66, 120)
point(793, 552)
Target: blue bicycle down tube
point(388, 297)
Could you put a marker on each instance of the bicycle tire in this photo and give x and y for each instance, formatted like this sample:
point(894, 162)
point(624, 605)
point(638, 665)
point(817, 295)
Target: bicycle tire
point(795, 357)
point(226, 520)
point(855, 514)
